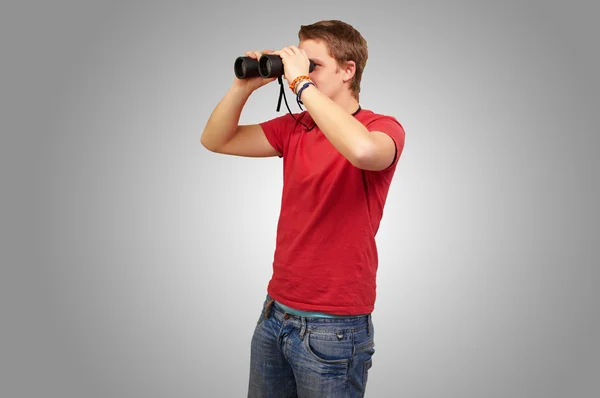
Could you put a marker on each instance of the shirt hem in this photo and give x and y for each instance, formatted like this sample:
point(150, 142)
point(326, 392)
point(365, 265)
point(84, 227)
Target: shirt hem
point(352, 311)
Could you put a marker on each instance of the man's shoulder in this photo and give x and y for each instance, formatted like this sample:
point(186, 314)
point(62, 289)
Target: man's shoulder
point(367, 116)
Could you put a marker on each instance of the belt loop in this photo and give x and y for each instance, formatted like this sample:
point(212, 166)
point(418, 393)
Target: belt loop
point(268, 308)
point(302, 326)
point(369, 324)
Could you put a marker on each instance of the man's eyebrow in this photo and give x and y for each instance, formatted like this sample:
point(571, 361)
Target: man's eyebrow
point(317, 60)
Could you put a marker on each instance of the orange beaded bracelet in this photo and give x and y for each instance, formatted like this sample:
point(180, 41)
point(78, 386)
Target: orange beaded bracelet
point(296, 80)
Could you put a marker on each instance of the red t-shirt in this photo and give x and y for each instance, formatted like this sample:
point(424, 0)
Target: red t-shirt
point(326, 255)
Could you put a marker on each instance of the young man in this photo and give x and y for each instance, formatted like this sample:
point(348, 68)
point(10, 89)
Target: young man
point(315, 336)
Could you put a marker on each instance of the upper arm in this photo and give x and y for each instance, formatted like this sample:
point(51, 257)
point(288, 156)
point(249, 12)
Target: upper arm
point(387, 138)
point(249, 141)
point(381, 154)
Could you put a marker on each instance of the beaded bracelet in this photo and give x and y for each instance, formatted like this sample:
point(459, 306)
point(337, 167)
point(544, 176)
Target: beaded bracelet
point(296, 80)
point(299, 83)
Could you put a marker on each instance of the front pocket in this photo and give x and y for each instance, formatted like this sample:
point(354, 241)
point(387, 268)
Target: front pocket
point(328, 348)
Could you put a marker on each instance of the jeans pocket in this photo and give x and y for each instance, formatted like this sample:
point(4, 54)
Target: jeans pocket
point(328, 348)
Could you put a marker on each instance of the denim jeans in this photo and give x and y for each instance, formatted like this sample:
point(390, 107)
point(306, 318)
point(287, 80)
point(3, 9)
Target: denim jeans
point(309, 357)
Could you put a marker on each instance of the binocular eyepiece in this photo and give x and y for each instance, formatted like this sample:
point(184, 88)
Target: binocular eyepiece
point(268, 65)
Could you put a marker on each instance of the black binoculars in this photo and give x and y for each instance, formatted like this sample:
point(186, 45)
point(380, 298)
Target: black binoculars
point(268, 65)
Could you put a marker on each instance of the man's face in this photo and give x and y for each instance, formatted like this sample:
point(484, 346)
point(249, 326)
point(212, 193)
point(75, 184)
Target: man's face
point(327, 75)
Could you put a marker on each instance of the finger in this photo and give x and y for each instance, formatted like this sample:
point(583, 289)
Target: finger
point(287, 52)
point(253, 54)
point(290, 50)
point(305, 55)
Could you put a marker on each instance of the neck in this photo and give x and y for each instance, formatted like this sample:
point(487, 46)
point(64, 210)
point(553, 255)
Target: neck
point(348, 103)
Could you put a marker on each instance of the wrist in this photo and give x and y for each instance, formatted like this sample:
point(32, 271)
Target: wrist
point(300, 84)
point(296, 83)
point(240, 90)
point(301, 87)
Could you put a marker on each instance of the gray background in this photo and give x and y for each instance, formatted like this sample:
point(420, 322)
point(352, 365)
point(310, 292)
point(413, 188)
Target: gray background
point(135, 262)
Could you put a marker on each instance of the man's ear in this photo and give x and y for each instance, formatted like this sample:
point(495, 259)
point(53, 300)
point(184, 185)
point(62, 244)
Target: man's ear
point(349, 70)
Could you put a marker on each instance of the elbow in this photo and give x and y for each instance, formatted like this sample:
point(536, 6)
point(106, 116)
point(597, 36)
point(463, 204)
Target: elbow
point(204, 142)
point(362, 155)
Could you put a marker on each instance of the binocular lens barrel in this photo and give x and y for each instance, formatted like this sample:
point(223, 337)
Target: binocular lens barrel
point(245, 67)
point(268, 65)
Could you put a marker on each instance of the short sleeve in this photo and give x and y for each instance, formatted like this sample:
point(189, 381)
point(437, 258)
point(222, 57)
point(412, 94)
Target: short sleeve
point(276, 132)
point(393, 128)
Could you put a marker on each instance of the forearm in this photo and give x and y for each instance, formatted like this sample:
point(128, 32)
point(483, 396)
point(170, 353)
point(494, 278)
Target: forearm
point(345, 133)
point(223, 122)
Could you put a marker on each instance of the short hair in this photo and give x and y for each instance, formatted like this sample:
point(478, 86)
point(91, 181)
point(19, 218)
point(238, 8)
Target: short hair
point(344, 44)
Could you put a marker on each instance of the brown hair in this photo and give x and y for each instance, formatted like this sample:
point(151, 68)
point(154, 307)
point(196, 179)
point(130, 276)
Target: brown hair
point(344, 44)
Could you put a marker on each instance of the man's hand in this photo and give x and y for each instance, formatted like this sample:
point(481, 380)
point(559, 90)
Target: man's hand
point(253, 83)
point(295, 62)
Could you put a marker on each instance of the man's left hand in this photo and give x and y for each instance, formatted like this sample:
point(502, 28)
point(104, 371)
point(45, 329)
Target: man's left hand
point(295, 62)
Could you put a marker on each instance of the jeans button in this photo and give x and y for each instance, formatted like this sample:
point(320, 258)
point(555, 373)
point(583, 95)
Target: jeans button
point(286, 316)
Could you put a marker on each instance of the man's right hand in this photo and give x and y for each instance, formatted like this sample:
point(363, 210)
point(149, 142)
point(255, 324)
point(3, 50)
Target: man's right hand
point(253, 83)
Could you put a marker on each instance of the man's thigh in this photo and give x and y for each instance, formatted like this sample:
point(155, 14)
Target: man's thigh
point(332, 361)
point(270, 373)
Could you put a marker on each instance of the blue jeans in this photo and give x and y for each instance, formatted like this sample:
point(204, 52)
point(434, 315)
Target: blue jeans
point(309, 357)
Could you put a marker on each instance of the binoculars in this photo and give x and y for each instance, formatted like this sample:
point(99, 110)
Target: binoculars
point(268, 65)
